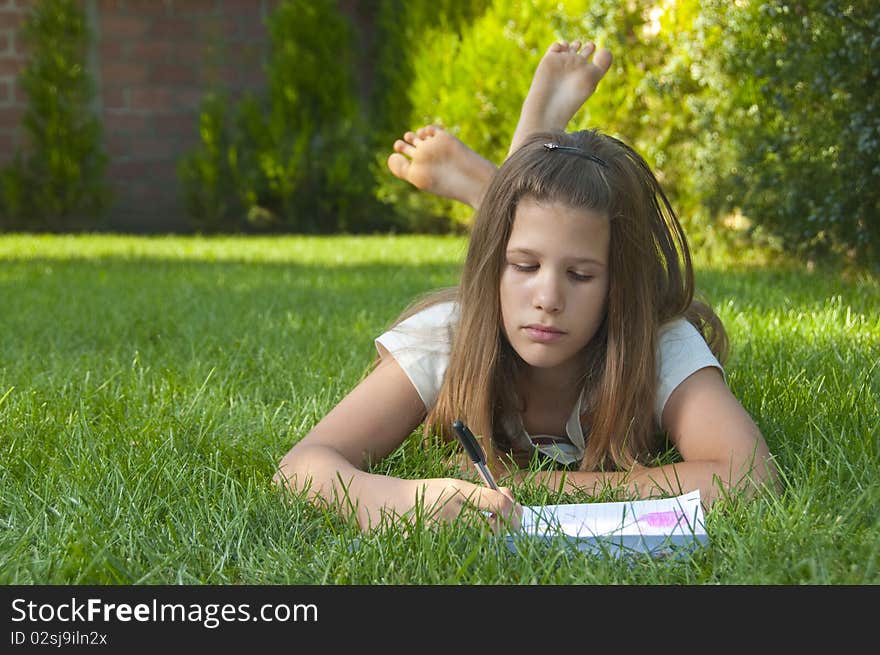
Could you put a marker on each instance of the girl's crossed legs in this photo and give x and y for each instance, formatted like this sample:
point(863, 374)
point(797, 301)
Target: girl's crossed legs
point(433, 160)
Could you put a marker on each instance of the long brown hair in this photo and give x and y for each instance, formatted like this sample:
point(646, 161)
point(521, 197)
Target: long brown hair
point(651, 281)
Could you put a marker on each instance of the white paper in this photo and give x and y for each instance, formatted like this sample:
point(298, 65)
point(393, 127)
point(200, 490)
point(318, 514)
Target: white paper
point(657, 527)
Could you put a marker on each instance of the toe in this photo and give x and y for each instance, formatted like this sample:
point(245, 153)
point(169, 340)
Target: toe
point(398, 165)
point(405, 148)
point(410, 137)
point(603, 59)
point(574, 47)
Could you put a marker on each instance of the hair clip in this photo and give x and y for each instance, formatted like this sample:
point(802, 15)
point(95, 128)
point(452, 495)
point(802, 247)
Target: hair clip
point(577, 151)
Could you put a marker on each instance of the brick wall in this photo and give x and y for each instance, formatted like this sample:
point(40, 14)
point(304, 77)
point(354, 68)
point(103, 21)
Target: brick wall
point(152, 61)
point(12, 58)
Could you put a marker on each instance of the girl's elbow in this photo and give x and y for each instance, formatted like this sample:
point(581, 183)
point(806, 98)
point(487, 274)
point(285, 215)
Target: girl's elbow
point(286, 472)
point(767, 473)
point(282, 477)
point(750, 474)
point(309, 465)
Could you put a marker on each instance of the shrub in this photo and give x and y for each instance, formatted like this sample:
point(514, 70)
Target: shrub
point(801, 127)
point(57, 182)
point(403, 30)
point(295, 160)
point(473, 81)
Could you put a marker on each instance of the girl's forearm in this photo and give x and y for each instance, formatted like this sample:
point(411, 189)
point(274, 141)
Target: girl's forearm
point(670, 479)
point(328, 478)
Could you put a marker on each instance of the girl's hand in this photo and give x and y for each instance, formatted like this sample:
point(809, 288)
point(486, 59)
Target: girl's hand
point(445, 499)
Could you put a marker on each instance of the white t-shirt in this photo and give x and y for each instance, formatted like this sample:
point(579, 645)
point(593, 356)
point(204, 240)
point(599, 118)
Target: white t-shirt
point(422, 343)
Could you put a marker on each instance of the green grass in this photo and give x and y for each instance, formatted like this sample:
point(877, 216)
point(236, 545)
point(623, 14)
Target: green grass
point(148, 387)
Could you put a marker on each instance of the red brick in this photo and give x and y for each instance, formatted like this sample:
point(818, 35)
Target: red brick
point(213, 26)
point(188, 51)
point(121, 27)
point(252, 27)
point(152, 148)
point(173, 28)
point(141, 6)
point(7, 93)
point(190, 98)
point(222, 76)
point(17, 46)
point(10, 67)
point(150, 99)
point(113, 50)
point(151, 50)
point(11, 19)
point(186, 143)
point(126, 123)
point(125, 172)
point(241, 6)
point(176, 125)
point(173, 75)
point(7, 145)
point(117, 145)
point(202, 6)
point(10, 117)
point(115, 98)
point(116, 73)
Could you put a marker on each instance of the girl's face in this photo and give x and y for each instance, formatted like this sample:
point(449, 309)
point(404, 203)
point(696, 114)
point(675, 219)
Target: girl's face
point(554, 283)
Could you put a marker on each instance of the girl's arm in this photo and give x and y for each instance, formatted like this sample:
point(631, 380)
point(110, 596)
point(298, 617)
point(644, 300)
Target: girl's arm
point(366, 426)
point(723, 450)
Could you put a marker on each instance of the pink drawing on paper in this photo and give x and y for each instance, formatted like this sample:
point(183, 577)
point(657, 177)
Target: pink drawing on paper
point(663, 519)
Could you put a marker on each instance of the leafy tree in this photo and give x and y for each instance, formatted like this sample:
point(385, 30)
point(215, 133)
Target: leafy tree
point(295, 160)
point(57, 181)
point(801, 125)
point(473, 82)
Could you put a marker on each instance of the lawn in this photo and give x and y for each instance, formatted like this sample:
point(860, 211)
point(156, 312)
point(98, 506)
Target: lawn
point(149, 386)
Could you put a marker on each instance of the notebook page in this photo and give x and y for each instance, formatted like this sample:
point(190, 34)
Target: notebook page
point(681, 515)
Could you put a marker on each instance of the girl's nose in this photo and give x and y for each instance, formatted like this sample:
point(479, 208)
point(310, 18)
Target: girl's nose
point(548, 294)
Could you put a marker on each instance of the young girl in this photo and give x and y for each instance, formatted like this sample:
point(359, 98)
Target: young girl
point(573, 338)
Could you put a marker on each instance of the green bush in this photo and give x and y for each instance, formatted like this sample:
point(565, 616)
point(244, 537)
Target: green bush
point(661, 97)
point(800, 127)
point(403, 29)
point(471, 77)
point(295, 160)
point(57, 181)
point(761, 108)
point(473, 81)
point(464, 75)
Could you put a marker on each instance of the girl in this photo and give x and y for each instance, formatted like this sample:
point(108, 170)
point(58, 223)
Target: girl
point(572, 339)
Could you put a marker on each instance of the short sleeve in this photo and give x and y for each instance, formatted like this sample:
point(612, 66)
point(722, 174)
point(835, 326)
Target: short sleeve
point(681, 351)
point(421, 345)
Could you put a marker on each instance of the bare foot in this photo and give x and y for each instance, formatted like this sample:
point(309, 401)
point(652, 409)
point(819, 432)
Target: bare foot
point(564, 79)
point(433, 160)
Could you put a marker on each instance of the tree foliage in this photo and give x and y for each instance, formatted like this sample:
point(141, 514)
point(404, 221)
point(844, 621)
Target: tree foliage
point(295, 159)
point(761, 108)
point(801, 122)
point(56, 182)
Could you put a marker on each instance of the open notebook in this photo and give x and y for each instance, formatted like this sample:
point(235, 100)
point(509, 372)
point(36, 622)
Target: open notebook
point(658, 527)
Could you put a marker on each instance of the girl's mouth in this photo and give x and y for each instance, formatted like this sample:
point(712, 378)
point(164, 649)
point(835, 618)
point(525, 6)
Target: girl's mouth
point(543, 333)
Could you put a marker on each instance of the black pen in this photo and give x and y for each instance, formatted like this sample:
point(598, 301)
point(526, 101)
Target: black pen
point(474, 451)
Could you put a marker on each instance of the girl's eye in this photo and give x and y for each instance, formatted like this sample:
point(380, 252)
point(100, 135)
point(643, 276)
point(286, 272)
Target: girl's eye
point(581, 277)
point(524, 268)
